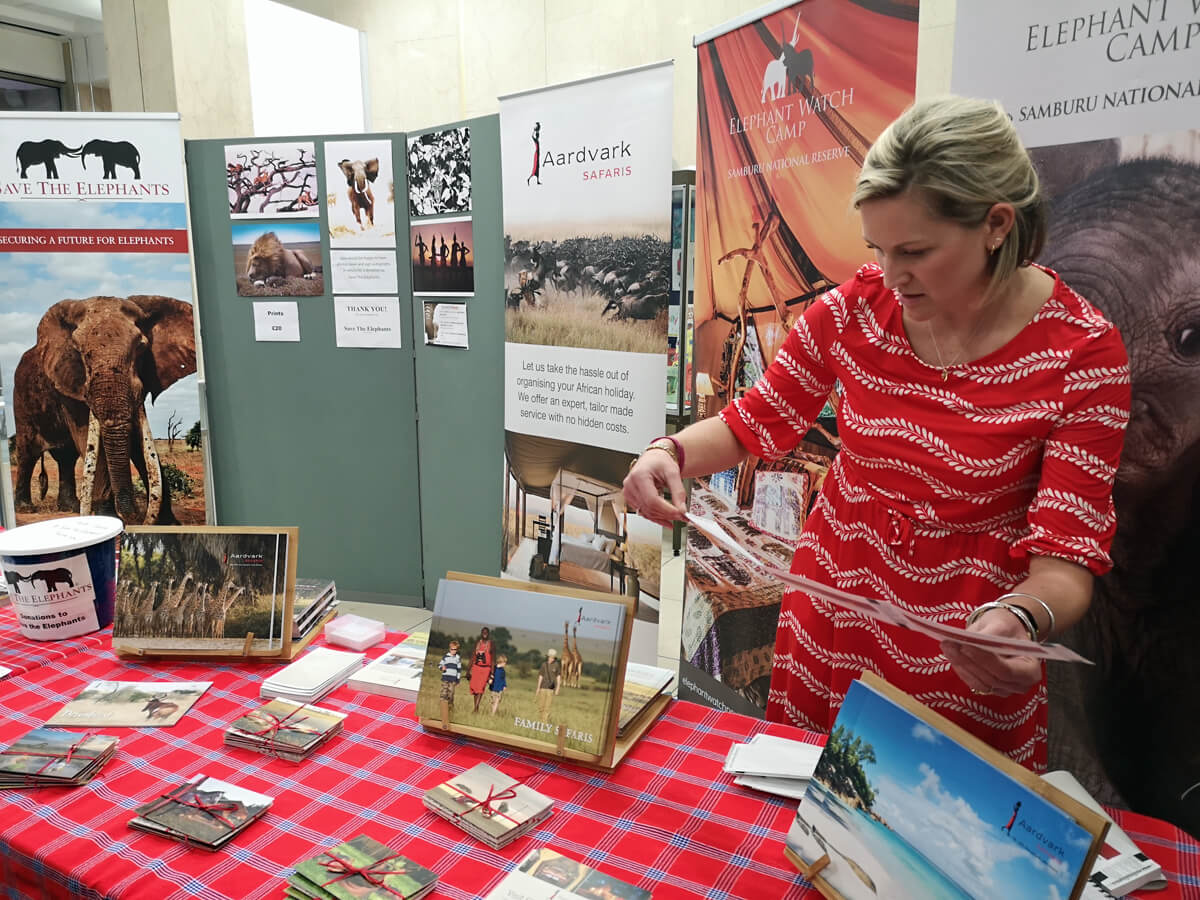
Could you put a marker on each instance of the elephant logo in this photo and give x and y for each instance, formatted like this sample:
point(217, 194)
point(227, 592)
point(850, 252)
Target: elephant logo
point(81, 392)
point(113, 154)
point(792, 71)
point(43, 153)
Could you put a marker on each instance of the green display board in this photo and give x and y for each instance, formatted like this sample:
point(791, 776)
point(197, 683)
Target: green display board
point(385, 458)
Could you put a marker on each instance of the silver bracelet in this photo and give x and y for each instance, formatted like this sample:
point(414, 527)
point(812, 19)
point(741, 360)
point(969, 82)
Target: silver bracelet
point(1022, 615)
point(1042, 603)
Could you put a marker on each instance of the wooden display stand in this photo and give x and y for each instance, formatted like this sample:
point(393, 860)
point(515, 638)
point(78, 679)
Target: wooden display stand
point(289, 648)
point(615, 748)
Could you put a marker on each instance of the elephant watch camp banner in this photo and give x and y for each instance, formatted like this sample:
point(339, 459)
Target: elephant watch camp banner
point(1107, 98)
point(96, 323)
point(789, 102)
point(586, 171)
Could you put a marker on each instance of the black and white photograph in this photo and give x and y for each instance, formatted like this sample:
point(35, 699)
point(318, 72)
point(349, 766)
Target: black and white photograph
point(439, 172)
point(359, 193)
point(272, 180)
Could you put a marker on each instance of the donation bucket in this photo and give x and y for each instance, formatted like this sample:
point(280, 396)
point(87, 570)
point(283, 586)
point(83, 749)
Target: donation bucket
point(62, 575)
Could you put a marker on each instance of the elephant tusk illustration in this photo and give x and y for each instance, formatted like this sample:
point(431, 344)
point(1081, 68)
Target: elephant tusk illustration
point(153, 469)
point(89, 465)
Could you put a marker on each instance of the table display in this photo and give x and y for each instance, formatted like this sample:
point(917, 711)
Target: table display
point(667, 820)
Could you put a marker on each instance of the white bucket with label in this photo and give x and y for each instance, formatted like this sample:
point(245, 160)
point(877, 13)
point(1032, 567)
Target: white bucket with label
point(62, 575)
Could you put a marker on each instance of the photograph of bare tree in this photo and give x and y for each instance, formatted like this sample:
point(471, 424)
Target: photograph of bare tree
point(203, 589)
point(272, 180)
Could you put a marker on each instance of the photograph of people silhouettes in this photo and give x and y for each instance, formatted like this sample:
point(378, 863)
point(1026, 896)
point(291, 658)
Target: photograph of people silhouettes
point(443, 257)
point(553, 659)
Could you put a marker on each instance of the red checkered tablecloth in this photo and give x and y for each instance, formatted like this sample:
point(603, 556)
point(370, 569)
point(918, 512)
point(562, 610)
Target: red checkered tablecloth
point(23, 655)
point(669, 819)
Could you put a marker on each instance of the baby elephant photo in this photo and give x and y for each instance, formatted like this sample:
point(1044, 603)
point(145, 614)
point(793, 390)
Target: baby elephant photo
point(359, 176)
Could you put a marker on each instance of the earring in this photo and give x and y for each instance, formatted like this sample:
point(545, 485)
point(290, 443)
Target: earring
point(995, 247)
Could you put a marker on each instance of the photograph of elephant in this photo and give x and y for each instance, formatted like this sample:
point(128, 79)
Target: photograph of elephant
point(130, 704)
point(117, 361)
point(1125, 233)
point(443, 258)
point(278, 259)
point(604, 293)
point(204, 589)
point(439, 172)
point(359, 191)
point(554, 656)
point(272, 181)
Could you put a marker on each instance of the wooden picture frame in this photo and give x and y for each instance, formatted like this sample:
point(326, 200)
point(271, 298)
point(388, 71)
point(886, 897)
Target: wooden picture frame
point(615, 748)
point(1090, 821)
point(288, 649)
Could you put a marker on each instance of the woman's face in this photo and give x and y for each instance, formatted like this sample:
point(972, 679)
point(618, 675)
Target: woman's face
point(935, 266)
point(485, 634)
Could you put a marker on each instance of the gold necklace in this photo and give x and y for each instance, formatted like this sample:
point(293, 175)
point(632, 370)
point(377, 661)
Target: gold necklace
point(962, 348)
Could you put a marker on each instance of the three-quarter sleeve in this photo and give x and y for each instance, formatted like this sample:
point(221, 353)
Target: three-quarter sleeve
point(772, 417)
point(1072, 515)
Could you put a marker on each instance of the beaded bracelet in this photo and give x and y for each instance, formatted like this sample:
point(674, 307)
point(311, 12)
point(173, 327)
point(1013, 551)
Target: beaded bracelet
point(1020, 612)
point(1038, 600)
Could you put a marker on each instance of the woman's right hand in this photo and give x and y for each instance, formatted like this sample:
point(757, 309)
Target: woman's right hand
point(654, 472)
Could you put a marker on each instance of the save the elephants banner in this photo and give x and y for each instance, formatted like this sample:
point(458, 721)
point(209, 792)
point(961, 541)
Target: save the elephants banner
point(789, 102)
point(1106, 96)
point(587, 219)
point(96, 318)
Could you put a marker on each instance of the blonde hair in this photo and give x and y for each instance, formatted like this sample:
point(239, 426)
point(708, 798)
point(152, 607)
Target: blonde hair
point(964, 156)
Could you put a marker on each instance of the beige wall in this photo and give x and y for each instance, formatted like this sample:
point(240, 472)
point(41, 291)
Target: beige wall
point(430, 63)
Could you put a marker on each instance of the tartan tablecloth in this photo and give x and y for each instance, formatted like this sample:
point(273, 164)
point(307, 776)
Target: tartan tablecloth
point(669, 819)
point(23, 655)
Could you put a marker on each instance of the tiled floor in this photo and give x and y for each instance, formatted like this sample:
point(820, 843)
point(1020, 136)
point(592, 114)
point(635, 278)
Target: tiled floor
point(407, 618)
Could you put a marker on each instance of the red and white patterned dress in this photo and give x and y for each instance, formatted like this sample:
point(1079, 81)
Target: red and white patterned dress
point(940, 493)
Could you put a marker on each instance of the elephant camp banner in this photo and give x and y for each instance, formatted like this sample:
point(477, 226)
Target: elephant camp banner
point(1106, 96)
point(586, 171)
point(789, 103)
point(96, 316)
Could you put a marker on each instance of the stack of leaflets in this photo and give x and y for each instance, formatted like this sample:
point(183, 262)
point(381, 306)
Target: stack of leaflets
point(773, 764)
point(544, 874)
point(1120, 866)
point(489, 805)
point(46, 758)
point(312, 676)
point(282, 728)
point(313, 598)
point(360, 869)
point(642, 685)
point(398, 672)
point(205, 812)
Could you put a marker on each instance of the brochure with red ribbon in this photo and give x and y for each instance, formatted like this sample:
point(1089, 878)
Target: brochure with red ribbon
point(203, 812)
point(489, 805)
point(360, 869)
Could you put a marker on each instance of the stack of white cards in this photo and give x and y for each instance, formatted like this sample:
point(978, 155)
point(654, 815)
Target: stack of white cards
point(489, 805)
point(773, 764)
point(312, 676)
point(398, 672)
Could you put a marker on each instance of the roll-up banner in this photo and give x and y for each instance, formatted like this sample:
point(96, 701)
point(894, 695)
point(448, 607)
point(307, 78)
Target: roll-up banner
point(1105, 95)
point(789, 101)
point(96, 326)
point(587, 229)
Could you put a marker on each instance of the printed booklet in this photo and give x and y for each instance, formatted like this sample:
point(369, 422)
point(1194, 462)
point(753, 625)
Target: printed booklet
point(47, 758)
point(130, 704)
point(398, 672)
point(489, 805)
point(546, 875)
point(204, 812)
point(284, 728)
point(360, 869)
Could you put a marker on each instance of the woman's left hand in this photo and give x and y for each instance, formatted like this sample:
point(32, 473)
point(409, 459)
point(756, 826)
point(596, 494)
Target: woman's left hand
point(986, 673)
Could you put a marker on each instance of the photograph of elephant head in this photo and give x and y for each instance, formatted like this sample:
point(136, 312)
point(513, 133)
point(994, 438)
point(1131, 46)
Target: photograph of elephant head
point(113, 154)
point(80, 393)
point(1125, 233)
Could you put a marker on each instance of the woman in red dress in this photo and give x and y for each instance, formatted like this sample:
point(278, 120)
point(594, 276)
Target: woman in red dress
point(481, 665)
point(983, 410)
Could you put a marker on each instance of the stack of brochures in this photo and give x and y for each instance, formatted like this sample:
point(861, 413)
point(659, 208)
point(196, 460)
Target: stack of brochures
point(1120, 866)
point(643, 684)
point(47, 758)
point(489, 805)
point(398, 672)
point(283, 728)
point(361, 867)
point(312, 676)
point(773, 764)
point(314, 597)
point(204, 812)
point(544, 874)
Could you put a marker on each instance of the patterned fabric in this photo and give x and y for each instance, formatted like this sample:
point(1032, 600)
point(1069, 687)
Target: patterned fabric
point(668, 819)
point(451, 666)
point(941, 492)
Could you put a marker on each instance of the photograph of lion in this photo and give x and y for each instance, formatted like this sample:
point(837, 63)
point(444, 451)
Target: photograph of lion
point(359, 193)
point(278, 259)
